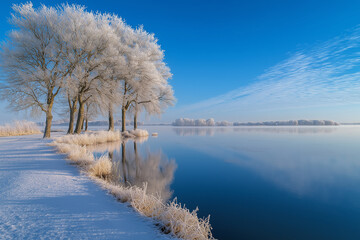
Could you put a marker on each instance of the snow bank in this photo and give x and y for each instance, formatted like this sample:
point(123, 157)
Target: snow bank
point(173, 217)
point(19, 128)
point(139, 133)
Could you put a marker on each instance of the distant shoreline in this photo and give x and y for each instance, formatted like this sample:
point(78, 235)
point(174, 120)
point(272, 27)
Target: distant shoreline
point(291, 123)
point(211, 122)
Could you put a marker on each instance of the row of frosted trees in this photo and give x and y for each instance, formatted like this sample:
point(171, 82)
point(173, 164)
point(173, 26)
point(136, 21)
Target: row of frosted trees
point(84, 59)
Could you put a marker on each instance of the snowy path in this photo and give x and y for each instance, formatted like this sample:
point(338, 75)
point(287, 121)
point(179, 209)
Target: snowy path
point(42, 197)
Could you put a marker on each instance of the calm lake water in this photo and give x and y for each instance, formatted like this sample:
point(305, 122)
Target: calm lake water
point(255, 182)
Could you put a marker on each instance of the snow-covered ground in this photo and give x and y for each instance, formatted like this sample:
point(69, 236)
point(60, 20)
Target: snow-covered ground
point(43, 197)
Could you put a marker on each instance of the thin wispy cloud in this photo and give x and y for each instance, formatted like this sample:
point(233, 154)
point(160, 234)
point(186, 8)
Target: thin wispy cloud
point(327, 74)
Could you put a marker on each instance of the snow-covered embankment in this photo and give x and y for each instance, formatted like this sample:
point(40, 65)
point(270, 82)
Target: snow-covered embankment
point(43, 197)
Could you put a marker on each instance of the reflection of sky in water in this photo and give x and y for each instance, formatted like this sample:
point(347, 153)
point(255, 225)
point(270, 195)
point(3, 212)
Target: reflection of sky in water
point(300, 159)
point(266, 182)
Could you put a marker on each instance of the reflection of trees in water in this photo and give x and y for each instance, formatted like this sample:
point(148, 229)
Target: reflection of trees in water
point(292, 130)
point(133, 169)
point(112, 146)
point(204, 131)
point(190, 131)
point(105, 147)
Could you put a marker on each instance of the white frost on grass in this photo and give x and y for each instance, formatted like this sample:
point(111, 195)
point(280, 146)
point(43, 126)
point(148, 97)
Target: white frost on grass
point(99, 137)
point(101, 168)
point(78, 154)
point(173, 217)
point(90, 138)
point(19, 128)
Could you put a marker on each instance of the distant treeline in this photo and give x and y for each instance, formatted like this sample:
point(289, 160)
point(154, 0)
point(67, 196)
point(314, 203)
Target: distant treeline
point(211, 122)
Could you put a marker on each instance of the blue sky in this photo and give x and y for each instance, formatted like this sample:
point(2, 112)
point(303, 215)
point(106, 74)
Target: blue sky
point(222, 52)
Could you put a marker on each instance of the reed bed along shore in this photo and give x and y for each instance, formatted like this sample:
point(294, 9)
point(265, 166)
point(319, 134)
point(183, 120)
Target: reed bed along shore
point(90, 138)
point(19, 128)
point(173, 217)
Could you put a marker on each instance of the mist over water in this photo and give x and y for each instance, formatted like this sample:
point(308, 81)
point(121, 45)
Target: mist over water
point(255, 182)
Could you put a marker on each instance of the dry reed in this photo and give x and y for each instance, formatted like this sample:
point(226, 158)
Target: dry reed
point(19, 128)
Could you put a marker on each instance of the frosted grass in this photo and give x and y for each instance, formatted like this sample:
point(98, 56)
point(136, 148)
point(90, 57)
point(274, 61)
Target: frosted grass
point(90, 138)
point(19, 128)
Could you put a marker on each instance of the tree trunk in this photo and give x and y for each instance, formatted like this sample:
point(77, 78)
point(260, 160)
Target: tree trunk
point(123, 119)
point(123, 158)
point(73, 109)
point(80, 119)
point(71, 122)
point(86, 124)
point(135, 120)
point(111, 119)
point(111, 155)
point(82, 124)
point(137, 162)
point(49, 118)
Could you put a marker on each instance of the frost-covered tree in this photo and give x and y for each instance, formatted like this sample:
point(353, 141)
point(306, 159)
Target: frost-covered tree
point(71, 97)
point(145, 86)
point(192, 122)
point(91, 111)
point(108, 101)
point(153, 93)
point(210, 122)
point(87, 57)
point(154, 104)
point(87, 36)
point(31, 60)
point(113, 79)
